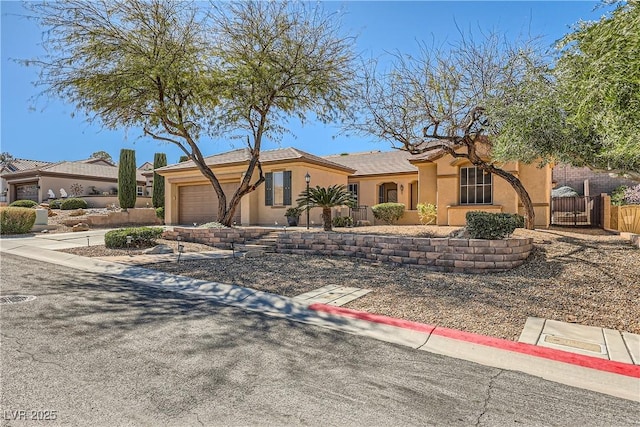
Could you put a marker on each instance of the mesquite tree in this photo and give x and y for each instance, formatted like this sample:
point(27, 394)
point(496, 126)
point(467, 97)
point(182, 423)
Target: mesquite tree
point(440, 100)
point(127, 182)
point(599, 78)
point(159, 160)
point(178, 73)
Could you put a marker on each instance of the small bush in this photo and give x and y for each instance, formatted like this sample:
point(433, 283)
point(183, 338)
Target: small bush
point(490, 226)
point(160, 212)
point(428, 213)
point(16, 220)
point(519, 219)
point(342, 221)
point(293, 212)
point(617, 195)
point(55, 204)
point(141, 237)
point(73, 203)
point(388, 212)
point(24, 204)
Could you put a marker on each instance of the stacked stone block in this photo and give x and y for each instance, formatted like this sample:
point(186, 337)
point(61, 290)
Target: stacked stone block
point(221, 238)
point(439, 254)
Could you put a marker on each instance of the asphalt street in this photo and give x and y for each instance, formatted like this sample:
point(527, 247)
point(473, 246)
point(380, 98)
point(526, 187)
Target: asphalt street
point(101, 351)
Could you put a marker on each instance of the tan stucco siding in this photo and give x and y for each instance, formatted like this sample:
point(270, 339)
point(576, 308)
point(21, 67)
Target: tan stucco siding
point(254, 210)
point(56, 183)
point(537, 181)
point(368, 187)
point(320, 176)
point(446, 173)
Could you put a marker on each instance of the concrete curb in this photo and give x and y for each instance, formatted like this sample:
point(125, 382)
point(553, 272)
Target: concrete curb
point(612, 378)
point(619, 368)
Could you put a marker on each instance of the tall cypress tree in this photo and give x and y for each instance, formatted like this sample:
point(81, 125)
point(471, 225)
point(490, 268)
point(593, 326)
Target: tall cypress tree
point(159, 160)
point(127, 179)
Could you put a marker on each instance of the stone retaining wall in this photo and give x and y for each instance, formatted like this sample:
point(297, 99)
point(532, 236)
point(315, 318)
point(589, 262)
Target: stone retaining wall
point(221, 238)
point(439, 254)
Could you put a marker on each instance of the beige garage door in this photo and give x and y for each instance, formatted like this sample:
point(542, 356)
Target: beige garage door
point(27, 192)
point(199, 203)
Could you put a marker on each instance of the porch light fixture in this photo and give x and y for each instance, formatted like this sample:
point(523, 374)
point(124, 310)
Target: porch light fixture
point(307, 179)
point(401, 188)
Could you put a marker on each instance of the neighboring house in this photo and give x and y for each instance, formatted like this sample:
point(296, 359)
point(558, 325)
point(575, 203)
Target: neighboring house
point(587, 182)
point(15, 165)
point(146, 166)
point(454, 185)
point(95, 180)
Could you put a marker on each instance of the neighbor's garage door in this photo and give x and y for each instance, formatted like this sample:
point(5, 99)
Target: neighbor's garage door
point(199, 203)
point(27, 192)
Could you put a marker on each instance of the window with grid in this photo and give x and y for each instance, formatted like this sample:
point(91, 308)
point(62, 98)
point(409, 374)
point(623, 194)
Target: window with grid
point(475, 186)
point(353, 189)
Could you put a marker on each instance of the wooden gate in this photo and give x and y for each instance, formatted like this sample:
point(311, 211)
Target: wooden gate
point(577, 211)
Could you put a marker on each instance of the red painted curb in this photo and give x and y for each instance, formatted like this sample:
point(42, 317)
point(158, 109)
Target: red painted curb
point(518, 347)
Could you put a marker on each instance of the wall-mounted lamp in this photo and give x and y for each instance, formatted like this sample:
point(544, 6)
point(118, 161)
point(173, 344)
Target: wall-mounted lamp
point(401, 188)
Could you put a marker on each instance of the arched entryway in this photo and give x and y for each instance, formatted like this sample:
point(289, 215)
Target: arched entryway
point(388, 192)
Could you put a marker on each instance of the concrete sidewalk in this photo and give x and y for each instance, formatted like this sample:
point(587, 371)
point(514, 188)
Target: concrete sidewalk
point(609, 377)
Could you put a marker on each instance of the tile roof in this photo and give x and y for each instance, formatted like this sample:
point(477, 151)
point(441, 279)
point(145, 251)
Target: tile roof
point(23, 164)
point(267, 156)
point(376, 162)
point(80, 168)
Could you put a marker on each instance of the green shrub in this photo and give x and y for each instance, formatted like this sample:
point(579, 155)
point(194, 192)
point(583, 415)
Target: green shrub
point(73, 203)
point(127, 183)
point(55, 204)
point(293, 212)
point(519, 220)
point(24, 204)
point(343, 221)
point(428, 213)
point(617, 195)
point(491, 226)
point(16, 220)
point(388, 212)
point(160, 212)
point(159, 160)
point(141, 237)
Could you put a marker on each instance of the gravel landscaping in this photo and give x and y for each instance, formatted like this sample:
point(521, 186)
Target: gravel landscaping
point(586, 276)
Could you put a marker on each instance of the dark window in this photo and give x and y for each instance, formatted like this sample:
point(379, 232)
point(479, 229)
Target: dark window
point(353, 189)
point(277, 188)
point(475, 186)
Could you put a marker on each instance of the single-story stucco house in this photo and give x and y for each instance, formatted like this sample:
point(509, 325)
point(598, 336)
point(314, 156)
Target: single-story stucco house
point(453, 184)
point(95, 180)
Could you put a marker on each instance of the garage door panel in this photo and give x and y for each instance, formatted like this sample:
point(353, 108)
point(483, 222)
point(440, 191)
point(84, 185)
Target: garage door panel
point(27, 192)
point(199, 203)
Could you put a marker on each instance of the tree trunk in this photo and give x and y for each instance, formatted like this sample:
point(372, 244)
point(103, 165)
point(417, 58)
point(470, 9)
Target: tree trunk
point(516, 184)
point(326, 218)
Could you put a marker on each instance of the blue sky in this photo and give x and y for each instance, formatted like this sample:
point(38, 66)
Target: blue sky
point(49, 130)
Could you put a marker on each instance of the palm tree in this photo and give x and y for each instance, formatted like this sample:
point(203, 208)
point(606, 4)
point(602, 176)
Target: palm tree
point(325, 198)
